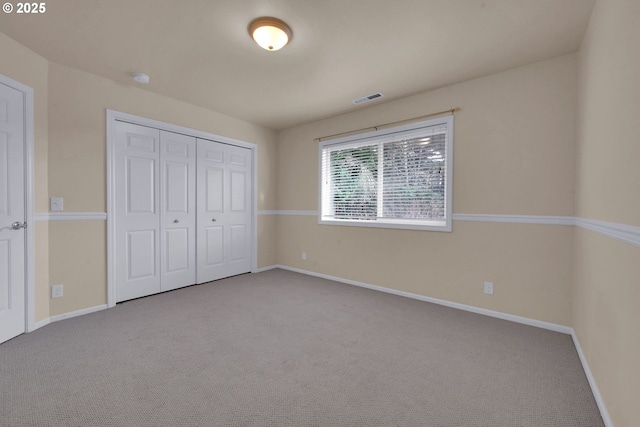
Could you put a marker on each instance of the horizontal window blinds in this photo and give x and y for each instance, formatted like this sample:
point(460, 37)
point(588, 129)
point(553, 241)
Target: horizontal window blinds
point(413, 178)
point(394, 177)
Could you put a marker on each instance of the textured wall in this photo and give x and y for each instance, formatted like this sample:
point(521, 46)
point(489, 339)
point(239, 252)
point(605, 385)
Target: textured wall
point(607, 285)
point(513, 154)
point(77, 172)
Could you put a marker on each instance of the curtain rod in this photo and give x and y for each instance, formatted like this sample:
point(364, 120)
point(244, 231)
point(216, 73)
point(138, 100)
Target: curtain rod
point(450, 111)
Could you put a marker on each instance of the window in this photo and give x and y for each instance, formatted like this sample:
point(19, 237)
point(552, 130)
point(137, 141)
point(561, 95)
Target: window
point(398, 177)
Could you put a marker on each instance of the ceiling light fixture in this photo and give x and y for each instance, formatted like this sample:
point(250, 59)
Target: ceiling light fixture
point(270, 33)
point(141, 78)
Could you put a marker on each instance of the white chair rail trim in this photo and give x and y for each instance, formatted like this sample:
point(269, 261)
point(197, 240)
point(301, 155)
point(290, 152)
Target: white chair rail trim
point(625, 233)
point(71, 216)
point(288, 212)
point(517, 219)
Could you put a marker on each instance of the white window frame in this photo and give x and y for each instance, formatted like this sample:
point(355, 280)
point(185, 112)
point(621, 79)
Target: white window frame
point(388, 134)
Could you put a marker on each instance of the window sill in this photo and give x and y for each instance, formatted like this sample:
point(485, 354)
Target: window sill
point(444, 226)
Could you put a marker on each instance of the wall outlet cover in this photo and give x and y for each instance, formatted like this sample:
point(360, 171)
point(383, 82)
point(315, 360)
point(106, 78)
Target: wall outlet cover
point(56, 291)
point(488, 288)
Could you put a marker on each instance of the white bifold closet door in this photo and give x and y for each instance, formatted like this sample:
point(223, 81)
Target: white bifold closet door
point(155, 210)
point(177, 210)
point(223, 210)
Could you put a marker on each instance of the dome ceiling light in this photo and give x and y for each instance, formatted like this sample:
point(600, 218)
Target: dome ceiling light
point(141, 78)
point(270, 33)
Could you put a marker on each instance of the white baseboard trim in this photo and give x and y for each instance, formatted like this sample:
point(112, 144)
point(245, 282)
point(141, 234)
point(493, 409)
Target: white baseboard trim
point(40, 324)
point(71, 216)
point(505, 316)
point(261, 269)
point(58, 317)
point(592, 382)
point(510, 317)
point(77, 313)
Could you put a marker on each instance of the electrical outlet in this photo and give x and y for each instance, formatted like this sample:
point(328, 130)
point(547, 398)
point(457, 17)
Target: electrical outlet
point(488, 288)
point(304, 256)
point(56, 291)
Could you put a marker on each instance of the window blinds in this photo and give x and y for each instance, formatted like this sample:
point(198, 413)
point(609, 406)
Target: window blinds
point(397, 177)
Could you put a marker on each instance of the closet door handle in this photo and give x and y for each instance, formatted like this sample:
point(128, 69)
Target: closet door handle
point(18, 225)
point(213, 220)
point(176, 221)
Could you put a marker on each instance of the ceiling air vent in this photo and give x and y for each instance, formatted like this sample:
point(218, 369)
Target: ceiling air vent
point(368, 98)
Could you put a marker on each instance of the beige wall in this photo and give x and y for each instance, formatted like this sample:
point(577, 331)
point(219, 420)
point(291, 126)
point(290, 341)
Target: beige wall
point(607, 272)
point(514, 154)
point(70, 150)
point(514, 141)
point(42, 294)
point(608, 126)
point(77, 172)
point(517, 151)
point(78, 255)
point(77, 129)
point(606, 320)
point(529, 264)
point(21, 64)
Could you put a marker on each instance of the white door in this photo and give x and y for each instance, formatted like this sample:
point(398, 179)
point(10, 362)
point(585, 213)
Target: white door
point(12, 213)
point(137, 170)
point(224, 210)
point(178, 212)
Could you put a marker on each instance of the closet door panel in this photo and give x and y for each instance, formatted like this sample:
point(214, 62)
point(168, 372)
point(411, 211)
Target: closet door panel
point(141, 249)
point(237, 247)
point(178, 210)
point(238, 192)
point(177, 248)
point(137, 211)
point(176, 186)
point(215, 246)
point(211, 211)
point(140, 185)
point(214, 189)
point(224, 210)
point(238, 218)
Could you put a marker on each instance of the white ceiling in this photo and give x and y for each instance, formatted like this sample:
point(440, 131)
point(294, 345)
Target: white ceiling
point(199, 51)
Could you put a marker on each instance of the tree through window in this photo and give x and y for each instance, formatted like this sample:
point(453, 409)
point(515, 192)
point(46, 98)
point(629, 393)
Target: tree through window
point(398, 177)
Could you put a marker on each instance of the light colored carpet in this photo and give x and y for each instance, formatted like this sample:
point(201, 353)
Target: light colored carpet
point(283, 349)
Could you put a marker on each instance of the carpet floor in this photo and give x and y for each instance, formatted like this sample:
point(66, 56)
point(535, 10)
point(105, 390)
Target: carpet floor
point(283, 349)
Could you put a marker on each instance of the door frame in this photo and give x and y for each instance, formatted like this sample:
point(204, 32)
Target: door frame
point(29, 252)
point(115, 116)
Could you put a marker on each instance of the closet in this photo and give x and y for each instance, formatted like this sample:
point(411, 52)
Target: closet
point(182, 210)
point(224, 210)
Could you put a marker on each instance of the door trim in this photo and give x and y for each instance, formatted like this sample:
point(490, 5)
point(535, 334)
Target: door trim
point(115, 116)
point(30, 264)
